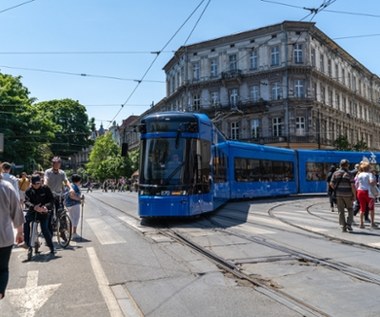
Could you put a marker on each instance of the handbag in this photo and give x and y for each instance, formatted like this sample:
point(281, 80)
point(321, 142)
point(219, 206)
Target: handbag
point(374, 191)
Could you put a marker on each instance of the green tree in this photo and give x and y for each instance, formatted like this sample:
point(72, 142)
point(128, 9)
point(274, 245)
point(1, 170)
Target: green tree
point(73, 128)
point(360, 146)
point(342, 144)
point(105, 160)
point(27, 133)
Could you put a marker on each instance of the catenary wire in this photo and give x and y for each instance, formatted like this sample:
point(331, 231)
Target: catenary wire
point(16, 6)
point(154, 60)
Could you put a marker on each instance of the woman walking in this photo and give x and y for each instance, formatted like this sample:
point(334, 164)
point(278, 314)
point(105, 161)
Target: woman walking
point(364, 180)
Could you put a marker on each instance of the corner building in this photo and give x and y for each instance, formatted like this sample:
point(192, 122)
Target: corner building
point(286, 85)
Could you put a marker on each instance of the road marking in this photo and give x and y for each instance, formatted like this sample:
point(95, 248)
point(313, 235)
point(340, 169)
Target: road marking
point(29, 300)
point(103, 284)
point(104, 232)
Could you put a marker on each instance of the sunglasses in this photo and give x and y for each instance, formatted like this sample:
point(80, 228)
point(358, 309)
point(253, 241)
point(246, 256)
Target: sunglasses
point(38, 183)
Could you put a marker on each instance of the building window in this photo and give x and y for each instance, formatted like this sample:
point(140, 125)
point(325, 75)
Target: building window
point(234, 97)
point(300, 126)
point(322, 63)
point(276, 91)
point(196, 102)
point(298, 54)
point(323, 94)
point(313, 58)
point(299, 88)
point(255, 93)
point(233, 63)
point(275, 56)
point(337, 99)
point(277, 126)
point(235, 130)
point(343, 78)
point(213, 67)
point(329, 67)
point(196, 71)
point(253, 60)
point(330, 97)
point(214, 98)
point(336, 71)
point(255, 128)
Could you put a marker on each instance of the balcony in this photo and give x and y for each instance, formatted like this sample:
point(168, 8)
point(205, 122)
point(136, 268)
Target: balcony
point(232, 75)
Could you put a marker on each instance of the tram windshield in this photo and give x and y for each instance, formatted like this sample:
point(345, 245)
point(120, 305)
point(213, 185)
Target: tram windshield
point(181, 164)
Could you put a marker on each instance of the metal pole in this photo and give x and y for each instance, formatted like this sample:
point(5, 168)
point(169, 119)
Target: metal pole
point(81, 218)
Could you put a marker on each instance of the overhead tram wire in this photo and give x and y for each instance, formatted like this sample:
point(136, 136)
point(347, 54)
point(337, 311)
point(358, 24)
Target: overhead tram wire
point(16, 6)
point(196, 24)
point(82, 52)
point(154, 60)
point(78, 74)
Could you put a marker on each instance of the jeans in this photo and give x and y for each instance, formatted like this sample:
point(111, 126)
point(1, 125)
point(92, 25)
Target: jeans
point(5, 254)
point(44, 223)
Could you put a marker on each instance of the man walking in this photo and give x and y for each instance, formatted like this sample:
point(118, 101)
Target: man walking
point(344, 186)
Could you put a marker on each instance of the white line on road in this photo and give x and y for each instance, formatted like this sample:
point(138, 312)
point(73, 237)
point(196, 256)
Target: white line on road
point(103, 284)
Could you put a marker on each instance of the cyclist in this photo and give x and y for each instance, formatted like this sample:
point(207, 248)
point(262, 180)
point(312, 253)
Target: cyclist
point(39, 200)
point(55, 179)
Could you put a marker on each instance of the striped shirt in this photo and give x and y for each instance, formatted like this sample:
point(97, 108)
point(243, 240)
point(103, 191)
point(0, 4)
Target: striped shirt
point(343, 181)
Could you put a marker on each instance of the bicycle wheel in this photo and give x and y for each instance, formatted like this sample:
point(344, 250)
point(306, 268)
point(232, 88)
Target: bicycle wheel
point(64, 230)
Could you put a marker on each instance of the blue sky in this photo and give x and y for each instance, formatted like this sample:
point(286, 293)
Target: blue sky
point(50, 43)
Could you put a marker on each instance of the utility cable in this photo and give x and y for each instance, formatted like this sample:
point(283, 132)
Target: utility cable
point(78, 74)
point(16, 6)
point(154, 60)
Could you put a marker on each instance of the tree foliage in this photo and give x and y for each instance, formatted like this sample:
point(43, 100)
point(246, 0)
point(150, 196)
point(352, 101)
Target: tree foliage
point(342, 144)
point(26, 131)
point(106, 161)
point(72, 125)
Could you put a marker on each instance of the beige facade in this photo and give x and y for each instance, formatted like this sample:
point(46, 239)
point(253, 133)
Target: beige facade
point(287, 85)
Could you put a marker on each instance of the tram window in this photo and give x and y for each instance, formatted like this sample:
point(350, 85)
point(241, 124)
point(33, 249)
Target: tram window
point(201, 175)
point(317, 171)
point(220, 168)
point(250, 170)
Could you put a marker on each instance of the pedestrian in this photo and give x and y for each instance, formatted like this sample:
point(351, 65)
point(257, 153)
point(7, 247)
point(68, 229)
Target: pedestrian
point(344, 185)
point(6, 172)
point(73, 202)
point(39, 200)
point(10, 212)
point(330, 190)
point(56, 179)
point(23, 185)
point(364, 180)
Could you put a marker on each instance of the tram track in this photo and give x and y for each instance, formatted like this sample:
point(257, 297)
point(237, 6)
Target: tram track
point(260, 284)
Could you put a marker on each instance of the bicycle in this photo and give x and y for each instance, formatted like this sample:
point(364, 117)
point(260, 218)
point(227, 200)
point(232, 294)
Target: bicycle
point(34, 240)
point(61, 221)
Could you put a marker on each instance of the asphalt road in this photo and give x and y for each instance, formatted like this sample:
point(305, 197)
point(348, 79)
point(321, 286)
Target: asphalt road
point(278, 257)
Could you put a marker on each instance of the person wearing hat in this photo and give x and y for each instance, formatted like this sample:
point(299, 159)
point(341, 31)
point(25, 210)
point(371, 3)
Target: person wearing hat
point(343, 184)
point(39, 200)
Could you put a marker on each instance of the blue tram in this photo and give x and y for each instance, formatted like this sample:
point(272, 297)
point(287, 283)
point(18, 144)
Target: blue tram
point(314, 165)
point(187, 167)
point(175, 165)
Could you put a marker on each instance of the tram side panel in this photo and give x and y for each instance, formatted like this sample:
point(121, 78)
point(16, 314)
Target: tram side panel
point(314, 165)
point(261, 171)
